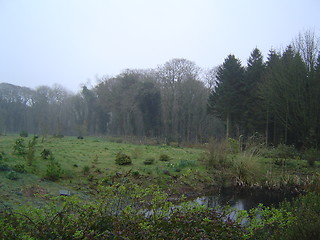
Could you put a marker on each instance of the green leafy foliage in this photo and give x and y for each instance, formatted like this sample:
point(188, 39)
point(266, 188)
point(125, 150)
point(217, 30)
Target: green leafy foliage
point(20, 168)
point(4, 167)
point(120, 212)
point(54, 170)
point(306, 210)
point(45, 154)
point(19, 147)
point(123, 159)
point(12, 175)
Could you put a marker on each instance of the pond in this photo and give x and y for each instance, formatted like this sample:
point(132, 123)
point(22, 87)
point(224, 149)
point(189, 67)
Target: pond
point(244, 200)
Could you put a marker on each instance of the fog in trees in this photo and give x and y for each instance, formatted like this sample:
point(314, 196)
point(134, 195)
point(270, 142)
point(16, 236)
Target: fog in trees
point(276, 99)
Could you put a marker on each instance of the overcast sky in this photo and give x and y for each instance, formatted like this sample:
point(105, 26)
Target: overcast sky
point(43, 42)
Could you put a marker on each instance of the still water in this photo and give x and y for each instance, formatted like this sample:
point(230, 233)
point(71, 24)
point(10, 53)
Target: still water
point(244, 200)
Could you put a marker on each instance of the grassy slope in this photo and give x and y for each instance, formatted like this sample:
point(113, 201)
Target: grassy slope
point(182, 173)
point(99, 155)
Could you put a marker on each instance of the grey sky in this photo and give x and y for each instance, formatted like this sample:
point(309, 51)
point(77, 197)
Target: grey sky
point(43, 42)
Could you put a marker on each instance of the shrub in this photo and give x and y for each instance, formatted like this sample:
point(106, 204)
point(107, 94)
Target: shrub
point(186, 163)
point(216, 155)
point(4, 167)
point(31, 150)
point(19, 147)
point(285, 151)
point(12, 175)
point(123, 159)
point(164, 157)
point(135, 174)
point(20, 168)
point(306, 209)
point(86, 170)
point(45, 154)
point(246, 169)
point(23, 134)
point(233, 145)
point(54, 170)
point(148, 161)
point(311, 155)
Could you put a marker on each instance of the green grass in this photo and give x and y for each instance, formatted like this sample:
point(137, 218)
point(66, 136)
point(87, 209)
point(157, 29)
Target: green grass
point(91, 161)
point(97, 157)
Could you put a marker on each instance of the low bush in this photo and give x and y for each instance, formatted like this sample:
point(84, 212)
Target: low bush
point(12, 175)
point(123, 159)
point(4, 167)
point(311, 155)
point(54, 170)
point(45, 154)
point(20, 168)
point(19, 147)
point(216, 154)
point(306, 210)
point(148, 161)
point(86, 170)
point(24, 134)
point(164, 157)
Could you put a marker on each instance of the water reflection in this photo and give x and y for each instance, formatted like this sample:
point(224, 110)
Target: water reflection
point(244, 200)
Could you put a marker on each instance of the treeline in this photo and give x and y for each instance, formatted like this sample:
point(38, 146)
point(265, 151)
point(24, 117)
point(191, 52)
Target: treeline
point(277, 99)
point(169, 102)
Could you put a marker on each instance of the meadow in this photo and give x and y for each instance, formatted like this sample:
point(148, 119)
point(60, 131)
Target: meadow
point(57, 163)
point(102, 174)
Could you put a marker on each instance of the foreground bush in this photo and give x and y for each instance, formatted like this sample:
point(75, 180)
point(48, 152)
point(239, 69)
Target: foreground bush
point(131, 212)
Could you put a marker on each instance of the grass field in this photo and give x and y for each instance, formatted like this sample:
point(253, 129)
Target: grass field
point(87, 163)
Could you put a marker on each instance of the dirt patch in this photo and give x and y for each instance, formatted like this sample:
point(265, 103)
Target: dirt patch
point(35, 191)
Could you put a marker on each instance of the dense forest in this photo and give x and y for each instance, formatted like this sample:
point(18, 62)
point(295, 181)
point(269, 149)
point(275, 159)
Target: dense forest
point(277, 99)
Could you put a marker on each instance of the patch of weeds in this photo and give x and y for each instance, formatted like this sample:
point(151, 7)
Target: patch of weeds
point(148, 161)
point(24, 134)
point(186, 163)
point(216, 155)
point(136, 174)
point(45, 154)
point(19, 147)
point(95, 160)
point(2, 156)
point(54, 170)
point(12, 175)
point(311, 155)
point(86, 170)
point(164, 157)
point(136, 152)
point(123, 159)
point(31, 150)
point(4, 167)
point(20, 168)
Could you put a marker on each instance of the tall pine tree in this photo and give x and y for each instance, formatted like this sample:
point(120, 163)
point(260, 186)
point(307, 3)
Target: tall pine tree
point(227, 98)
point(253, 114)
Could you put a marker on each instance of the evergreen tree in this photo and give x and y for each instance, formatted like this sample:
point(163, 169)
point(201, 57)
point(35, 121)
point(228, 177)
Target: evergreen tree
point(227, 98)
point(254, 116)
